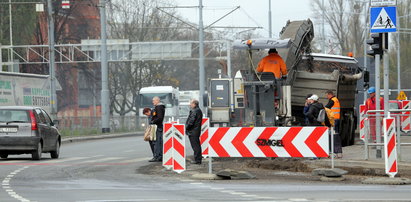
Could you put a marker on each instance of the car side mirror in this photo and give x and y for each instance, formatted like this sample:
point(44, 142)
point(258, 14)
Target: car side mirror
point(55, 123)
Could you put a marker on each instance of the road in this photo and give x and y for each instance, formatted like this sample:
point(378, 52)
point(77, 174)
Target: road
point(106, 170)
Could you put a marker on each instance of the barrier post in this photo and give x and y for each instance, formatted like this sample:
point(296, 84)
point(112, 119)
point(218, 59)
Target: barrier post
point(367, 136)
point(205, 124)
point(179, 154)
point(398, 124)
point(406, 119)
point(332, 147)
point(390, 149)
point(168, 148)
point(362, 122)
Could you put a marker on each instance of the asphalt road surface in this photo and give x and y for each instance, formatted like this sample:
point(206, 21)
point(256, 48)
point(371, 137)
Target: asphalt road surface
point(106, 170)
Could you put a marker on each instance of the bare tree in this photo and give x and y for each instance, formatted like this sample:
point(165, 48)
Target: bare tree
point(139, 20)
point(345, 29)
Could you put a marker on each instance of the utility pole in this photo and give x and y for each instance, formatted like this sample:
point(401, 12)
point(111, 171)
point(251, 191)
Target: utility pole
point(11, 37)
point(105, 105)
point(365, 46)
point(398, 56)
point(201, 54)
point(53, 96)
point(322, 29)
point(270, 33)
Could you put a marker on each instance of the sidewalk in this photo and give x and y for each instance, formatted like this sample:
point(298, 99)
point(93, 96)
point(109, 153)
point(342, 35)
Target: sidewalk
point(354, 160)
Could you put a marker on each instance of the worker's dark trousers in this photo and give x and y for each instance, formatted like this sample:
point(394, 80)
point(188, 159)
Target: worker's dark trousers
point(158, 146)
point(337, 137)
point(195, 144)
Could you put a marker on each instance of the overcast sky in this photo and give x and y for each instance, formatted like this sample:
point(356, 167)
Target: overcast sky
point(251, 13)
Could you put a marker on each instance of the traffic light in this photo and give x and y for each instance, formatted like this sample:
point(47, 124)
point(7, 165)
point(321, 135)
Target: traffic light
point(376, 44)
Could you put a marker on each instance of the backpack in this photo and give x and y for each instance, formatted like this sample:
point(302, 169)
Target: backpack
point(321, 116)
point(330, 115)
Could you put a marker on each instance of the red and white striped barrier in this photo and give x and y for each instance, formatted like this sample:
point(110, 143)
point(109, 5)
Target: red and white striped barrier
point(390, 147)
point(363, 129)
point(168, 134)
point(269, 142)
point(406, 118)
point(205, 124)
point(179, 162)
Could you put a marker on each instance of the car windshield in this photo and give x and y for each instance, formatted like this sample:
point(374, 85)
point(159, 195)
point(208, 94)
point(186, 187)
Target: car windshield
point(146, 100)
point(10, 115)
point(184, 110)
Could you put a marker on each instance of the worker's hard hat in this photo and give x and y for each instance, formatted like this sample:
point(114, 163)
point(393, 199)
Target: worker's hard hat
point(371, 90)
point(313, 97)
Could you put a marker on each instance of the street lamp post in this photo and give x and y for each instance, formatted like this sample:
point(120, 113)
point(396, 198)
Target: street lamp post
point(53, 96)
point(105, 105)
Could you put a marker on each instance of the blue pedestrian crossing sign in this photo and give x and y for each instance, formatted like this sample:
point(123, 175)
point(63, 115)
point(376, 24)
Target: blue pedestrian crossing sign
point(383, 19)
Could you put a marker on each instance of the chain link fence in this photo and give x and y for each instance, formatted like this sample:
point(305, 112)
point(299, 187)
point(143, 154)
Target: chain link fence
point(81, 126)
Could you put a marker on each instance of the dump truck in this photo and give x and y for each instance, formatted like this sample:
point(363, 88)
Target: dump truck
point(259, 99)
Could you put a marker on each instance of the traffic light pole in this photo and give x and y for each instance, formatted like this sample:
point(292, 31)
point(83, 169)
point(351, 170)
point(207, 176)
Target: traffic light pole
point(377, 99)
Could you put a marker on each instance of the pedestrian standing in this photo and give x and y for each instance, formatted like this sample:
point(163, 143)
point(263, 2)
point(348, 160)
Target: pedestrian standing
point(157, 118)
point(334, 105)
point(371, 104)
point(306, 108)
point(314, 110)
point(147, 111)
point(193, 130)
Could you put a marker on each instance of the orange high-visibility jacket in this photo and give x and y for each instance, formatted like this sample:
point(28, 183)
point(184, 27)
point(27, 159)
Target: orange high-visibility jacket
point(336, 108)
point(273, 63)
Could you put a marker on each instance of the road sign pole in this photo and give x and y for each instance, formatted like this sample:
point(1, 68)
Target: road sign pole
point(386, 77)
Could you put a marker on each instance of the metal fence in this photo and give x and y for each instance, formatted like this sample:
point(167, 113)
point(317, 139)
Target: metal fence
point(374, 139)
point(117, 123)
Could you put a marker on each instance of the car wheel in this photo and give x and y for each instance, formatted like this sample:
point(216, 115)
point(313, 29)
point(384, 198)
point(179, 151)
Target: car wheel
point(55, 154)
point(4, 156)
point(36, 155)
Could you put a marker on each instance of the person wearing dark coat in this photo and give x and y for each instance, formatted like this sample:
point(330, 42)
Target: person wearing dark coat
point(193, 130)
point(313, 112)
point(157, 118)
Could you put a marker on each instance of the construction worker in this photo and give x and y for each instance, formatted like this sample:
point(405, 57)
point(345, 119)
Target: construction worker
point(273, 63)
point(371, 104)
point(334, 105)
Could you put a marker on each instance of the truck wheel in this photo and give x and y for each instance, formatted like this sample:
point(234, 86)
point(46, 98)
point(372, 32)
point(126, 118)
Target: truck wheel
point(4, 156)
point(36, 154)
point(55, 154)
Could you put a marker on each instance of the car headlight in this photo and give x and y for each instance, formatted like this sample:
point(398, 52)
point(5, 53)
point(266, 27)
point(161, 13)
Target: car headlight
point(143, 124)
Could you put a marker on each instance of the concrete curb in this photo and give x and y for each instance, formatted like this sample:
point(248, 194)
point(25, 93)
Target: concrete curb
point(387, 181)
point(97, 137)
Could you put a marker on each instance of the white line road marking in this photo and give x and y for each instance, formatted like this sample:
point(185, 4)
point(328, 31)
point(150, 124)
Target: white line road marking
point(103, 160)
point(73, 159)
point(128, 151)
point(217, 188)
point(135, 160)
point(237, 193)
point(9, 190)
point(298, 199)
point(249, 195)
point(196, 183)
